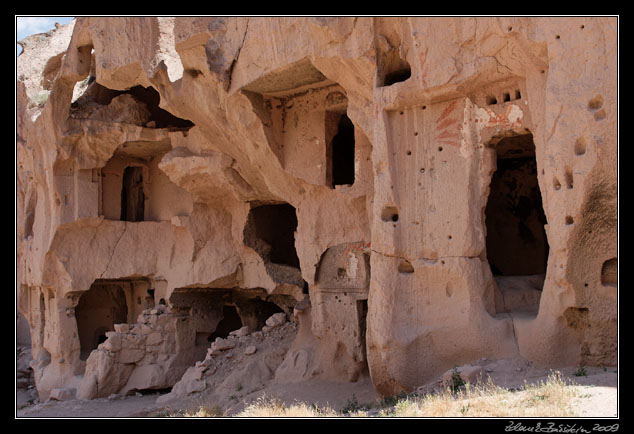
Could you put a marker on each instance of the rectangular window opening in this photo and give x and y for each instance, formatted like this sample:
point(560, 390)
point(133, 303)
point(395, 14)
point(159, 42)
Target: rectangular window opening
point(340, 153)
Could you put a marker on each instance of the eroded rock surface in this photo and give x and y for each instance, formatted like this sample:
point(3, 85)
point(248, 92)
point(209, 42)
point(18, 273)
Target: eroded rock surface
point(409, 194)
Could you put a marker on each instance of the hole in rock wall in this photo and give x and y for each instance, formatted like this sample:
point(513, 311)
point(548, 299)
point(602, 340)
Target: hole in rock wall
point(270, 231)
point(214, 312)
point(161, 117)
point(400, 72)
point(132, 196)
point(341, 151)
point(389, 214)
point(395, 69)
point(515, 219)
point(98, 310)
point(230, 321)
point(392, 67)
point(405, 267)
point(29, 217)
point(362, 315)
point(516, 244)
point(93, 97)
point(609, 272)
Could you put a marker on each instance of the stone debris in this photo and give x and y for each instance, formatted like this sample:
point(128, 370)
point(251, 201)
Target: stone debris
point(242, 331)
point(133, 357)
point(276, 320)
point(221, 344)
point(228, 369)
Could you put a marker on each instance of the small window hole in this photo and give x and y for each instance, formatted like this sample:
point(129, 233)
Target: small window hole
point(389, 214)
point(405, 267)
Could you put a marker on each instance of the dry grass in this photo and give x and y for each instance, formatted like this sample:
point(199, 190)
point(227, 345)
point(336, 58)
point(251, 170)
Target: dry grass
point(205, 412)
point(267, 407)
point(550, 398)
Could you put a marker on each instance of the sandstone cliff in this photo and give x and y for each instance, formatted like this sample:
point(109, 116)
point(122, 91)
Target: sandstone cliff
point(415, 193)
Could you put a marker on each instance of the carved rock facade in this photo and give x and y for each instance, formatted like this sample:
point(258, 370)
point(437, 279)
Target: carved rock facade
point(416, 192)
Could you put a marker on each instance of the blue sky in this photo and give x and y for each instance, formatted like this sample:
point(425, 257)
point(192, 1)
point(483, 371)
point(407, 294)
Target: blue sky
point(28, 25)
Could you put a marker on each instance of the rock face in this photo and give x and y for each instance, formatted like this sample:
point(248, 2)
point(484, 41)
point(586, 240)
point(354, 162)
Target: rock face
point(414, 193)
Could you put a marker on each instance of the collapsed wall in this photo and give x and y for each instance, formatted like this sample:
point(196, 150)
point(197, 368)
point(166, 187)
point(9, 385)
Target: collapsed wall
point(415, 192)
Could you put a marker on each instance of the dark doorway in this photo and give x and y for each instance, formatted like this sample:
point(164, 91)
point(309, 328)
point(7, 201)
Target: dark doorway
point(516, 239)
point(342, 151)
point(230, 321)
point(132, 197)
point(274, 236)
point(98, 310)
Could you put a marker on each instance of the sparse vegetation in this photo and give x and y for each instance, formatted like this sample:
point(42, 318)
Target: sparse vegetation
point(456, 382)
point(580, 372)
point(550, 398)
point(203, 411)
point(271, 407)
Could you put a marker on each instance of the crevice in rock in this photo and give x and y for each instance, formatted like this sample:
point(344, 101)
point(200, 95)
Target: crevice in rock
point(125, 226)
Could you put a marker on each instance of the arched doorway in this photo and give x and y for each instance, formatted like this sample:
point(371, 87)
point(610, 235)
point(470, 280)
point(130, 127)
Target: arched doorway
point(98, 310)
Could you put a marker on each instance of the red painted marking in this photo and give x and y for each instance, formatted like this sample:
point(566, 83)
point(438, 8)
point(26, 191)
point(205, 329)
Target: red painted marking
point(447, 111)
point(446, 123)
point(447, 135)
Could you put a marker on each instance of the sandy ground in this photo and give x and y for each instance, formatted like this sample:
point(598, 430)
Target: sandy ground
point(598, 397)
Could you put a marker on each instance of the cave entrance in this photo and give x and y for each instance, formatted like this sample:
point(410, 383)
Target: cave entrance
point(132, 196)
point(216, 312)
point(340, 151)
point(516, 243)
point(270, 230)
point(230, 321)
point(98, 310)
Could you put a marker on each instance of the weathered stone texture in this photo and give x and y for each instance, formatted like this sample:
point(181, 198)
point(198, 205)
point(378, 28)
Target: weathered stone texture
point(373, 141)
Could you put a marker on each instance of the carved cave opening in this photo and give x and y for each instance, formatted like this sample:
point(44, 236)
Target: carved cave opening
point(132, 196)
point(340, 151)
point(400, 72)
point(98, 310)
point(160, 116)
point(392, 66)
point(215, 312)
point(516, 243)
point(230, 321)
point(362, 315)
point(270, 230)
point(89, 95)
point(609, 272)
